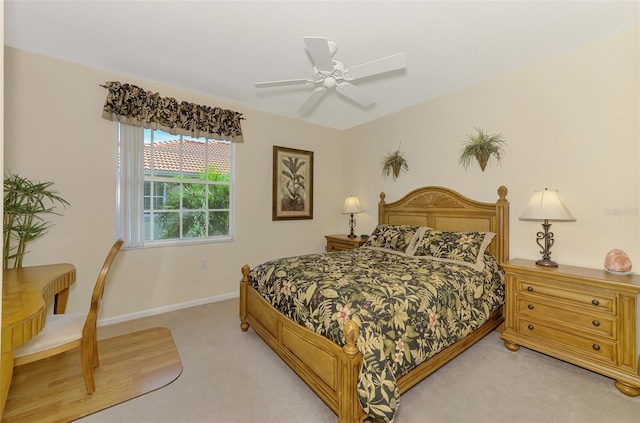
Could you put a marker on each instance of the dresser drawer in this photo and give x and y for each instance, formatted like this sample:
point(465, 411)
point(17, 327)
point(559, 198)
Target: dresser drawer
point(596, 349)
point(597, 299)
point(591, 323)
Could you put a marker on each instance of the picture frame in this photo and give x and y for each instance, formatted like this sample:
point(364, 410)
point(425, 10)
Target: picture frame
point(292, 184)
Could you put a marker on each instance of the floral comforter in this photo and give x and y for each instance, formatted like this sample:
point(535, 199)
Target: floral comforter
point(407, 308)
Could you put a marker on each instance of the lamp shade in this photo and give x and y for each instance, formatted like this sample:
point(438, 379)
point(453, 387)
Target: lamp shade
point(352, 205)
point(547, 205)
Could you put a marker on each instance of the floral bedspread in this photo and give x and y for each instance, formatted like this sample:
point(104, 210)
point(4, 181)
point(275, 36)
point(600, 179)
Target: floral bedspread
point(407, 308)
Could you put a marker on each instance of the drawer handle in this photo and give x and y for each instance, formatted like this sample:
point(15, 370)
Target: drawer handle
point(530, 306)
point(530, 288)
point(530, 327)
point(595, 302)
point(596, 347)
point(596, 323)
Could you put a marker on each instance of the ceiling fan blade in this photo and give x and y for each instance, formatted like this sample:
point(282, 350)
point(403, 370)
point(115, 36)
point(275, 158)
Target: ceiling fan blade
point(283, 82)
point(318, 48)
point(386, 64)
point(311, 101)
point(356, 94)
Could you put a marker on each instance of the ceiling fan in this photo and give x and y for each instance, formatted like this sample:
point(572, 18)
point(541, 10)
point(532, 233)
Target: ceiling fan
point(329, 73)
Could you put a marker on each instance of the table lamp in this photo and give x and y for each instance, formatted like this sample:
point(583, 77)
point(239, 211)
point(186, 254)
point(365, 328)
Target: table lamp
point(352, 206)
point(546, 205)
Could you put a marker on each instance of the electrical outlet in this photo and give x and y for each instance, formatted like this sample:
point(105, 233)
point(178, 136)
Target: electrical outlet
point(203, 264)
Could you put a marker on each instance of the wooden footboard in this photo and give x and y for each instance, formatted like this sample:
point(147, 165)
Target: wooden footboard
point(330, 370)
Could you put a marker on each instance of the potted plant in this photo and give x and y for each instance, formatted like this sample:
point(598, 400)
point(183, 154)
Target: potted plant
point(481, 146)
point(25, 202)
point(394, 162)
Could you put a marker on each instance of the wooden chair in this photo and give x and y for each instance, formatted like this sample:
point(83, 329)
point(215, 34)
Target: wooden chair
point(64, 332)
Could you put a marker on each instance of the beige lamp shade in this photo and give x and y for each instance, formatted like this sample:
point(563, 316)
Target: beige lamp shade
point(546, 205)
point(352, 205)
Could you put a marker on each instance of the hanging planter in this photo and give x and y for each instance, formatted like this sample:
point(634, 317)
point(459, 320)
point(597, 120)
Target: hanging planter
point(481, 147)
point(394, 162)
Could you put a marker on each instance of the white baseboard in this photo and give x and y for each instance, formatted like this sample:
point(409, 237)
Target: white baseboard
point(172, 307)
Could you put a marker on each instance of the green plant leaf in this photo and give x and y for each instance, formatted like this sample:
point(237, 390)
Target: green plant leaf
point(393, 163)
point(25, 202)
point(481, 147)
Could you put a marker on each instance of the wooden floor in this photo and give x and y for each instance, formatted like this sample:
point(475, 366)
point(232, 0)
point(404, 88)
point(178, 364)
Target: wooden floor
point(52, 390)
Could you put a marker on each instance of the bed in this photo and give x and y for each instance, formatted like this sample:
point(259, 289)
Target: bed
point(332, 368)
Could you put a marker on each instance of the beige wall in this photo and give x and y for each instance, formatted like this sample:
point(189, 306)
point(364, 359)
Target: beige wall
point(571, 124)
point(54, 131)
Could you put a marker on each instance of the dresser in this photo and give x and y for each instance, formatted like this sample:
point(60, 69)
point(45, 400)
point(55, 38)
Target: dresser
point(587, 317)
point(343, 242)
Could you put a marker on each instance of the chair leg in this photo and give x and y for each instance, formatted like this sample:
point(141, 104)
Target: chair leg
point(96, 358)
point(87, 360)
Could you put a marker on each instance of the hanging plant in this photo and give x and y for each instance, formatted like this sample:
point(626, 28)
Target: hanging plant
point(25, 202)
point(394, 162)
point(481, 146)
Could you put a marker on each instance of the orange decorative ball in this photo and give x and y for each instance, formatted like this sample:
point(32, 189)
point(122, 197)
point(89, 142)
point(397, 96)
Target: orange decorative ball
point(617, 261)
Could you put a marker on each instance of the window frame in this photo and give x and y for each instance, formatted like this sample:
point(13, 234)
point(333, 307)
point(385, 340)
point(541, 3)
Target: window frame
point(125, 215)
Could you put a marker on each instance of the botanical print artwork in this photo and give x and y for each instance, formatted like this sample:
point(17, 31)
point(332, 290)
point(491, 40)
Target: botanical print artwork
point(292, 189)
point(292, 184)
point(407, 308)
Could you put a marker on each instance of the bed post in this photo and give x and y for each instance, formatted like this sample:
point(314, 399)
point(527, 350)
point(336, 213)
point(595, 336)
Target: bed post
point(351, 361)
point(381, 205)
point(502, 206)
point(243, 297)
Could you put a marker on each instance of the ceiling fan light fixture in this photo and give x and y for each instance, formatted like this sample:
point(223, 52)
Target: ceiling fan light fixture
point(329, 82)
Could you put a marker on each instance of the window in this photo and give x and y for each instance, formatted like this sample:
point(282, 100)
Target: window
point(173, 188)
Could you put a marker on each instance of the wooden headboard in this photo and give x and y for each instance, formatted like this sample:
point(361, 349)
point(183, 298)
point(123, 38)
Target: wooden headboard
point(446, 210)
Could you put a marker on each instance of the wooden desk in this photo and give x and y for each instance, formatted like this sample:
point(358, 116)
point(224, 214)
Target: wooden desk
point(25, 293)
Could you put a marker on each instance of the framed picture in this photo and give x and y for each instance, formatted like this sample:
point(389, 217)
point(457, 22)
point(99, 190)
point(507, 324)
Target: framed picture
point(292, 184)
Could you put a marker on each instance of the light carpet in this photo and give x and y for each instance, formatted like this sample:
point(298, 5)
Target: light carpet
point(232, 376)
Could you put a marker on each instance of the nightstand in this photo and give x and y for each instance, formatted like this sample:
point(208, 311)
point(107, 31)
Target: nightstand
point(342, 242)
point(587, 317)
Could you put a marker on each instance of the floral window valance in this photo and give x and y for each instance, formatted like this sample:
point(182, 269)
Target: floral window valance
point(132, 105)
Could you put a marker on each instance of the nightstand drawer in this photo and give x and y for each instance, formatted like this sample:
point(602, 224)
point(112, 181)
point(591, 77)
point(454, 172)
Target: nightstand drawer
point(343, 242)
point(597, 300)
point(595, 324)
point(597, 349)
point(338, 246)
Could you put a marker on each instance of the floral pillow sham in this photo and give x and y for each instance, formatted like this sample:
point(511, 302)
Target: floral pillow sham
point(465, 248)
point(393, 237)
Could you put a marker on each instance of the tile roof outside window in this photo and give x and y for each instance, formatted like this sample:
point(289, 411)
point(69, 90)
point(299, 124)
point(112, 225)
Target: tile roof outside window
point(167, 158)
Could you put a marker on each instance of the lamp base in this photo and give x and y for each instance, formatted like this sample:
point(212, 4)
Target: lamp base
point(548, 239)
point(352, 227)
point(546, 262)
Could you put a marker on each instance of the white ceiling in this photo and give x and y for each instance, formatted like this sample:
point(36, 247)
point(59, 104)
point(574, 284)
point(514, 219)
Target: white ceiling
point(221, 48)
